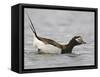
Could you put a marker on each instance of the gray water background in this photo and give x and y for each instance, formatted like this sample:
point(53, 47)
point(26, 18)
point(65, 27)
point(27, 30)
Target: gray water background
point(61, 26)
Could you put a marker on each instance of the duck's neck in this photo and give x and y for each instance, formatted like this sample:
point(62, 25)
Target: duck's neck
point(68, 48)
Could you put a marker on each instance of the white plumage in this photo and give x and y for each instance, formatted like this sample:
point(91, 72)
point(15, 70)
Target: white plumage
point(45, 48)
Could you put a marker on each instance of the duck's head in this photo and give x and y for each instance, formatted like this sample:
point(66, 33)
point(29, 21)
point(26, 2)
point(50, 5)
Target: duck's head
point(77, 40)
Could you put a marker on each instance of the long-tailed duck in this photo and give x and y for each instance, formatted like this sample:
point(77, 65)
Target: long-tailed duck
point(45, 45)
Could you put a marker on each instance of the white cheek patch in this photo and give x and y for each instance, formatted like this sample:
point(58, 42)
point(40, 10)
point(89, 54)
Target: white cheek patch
point(79, 40)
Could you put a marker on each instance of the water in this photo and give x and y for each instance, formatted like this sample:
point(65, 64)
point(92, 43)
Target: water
point(60, 26)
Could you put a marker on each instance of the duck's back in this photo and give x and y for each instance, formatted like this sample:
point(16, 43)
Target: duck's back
point(49, 41)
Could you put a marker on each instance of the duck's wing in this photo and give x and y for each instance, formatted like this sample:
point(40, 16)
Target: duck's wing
point(49, 41)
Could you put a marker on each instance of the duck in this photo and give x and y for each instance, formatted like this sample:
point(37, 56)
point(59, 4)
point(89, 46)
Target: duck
point(45, 45)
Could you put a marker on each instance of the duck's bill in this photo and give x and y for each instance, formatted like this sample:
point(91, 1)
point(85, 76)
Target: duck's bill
point(83, 42)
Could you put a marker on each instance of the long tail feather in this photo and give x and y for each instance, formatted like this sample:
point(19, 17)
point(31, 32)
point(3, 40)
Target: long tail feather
point(32, 26)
